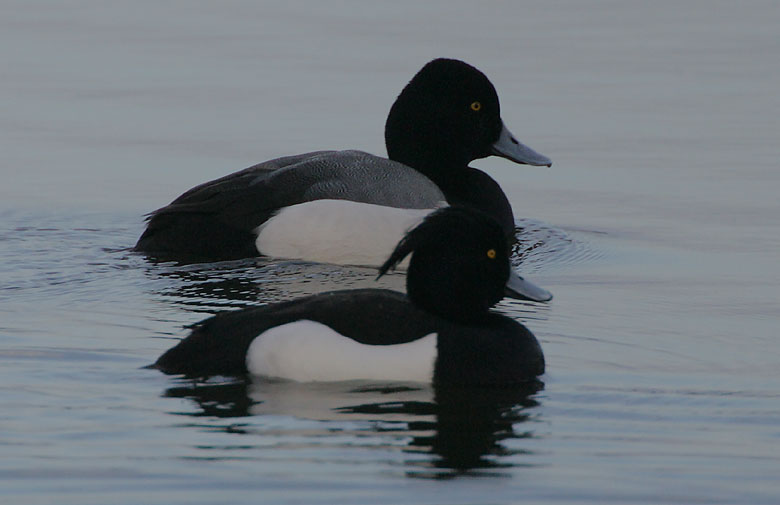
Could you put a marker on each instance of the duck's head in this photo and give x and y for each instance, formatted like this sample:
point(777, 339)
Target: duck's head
point(449, 115)
point(459, 265)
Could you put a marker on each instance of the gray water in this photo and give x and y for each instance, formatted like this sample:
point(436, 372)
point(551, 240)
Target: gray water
point(657, 229)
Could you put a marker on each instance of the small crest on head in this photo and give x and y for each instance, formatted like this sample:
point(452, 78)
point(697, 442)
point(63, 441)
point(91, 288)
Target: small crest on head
point(445, 226)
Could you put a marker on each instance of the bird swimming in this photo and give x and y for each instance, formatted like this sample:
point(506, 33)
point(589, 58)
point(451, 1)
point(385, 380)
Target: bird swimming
point(351, 207)
point(442, 330)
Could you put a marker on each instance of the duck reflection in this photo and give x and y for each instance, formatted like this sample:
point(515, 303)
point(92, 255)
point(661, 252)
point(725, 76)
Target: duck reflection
point(471, 425)
point(446, 431)
point(210, 287)
point(213, 286)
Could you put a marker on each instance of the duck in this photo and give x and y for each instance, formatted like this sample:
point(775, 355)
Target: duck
point(351, 207)
point(442, 331)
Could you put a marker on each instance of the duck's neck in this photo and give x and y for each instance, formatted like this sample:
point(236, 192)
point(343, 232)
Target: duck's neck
point(447, 166)
point(419, 136)
point(443, 167)
point(477, 189)
point(474, 188)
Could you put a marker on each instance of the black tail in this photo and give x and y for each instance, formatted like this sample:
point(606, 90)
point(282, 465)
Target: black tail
point(216, 346)
point(173, 235)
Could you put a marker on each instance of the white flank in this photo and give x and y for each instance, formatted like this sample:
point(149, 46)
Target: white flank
point(307, 351)
point(342, 232)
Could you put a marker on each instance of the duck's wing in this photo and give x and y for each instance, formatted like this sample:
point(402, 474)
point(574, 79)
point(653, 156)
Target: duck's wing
point(218, 345)
point(217, 219)
point(243, 178)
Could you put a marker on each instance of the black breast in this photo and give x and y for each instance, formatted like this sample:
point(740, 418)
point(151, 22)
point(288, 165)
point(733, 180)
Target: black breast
point(496, 351)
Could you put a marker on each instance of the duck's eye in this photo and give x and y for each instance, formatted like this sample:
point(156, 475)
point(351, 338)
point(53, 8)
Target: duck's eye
point(476, 106)
point(491, 254)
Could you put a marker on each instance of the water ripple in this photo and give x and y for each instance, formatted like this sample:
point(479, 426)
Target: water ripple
point(540, 247)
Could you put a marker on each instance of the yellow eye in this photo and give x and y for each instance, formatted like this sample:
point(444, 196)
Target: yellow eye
point(476, 106)
point(491, 254)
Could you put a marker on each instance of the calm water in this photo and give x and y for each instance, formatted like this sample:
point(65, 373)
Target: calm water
point(657, 229)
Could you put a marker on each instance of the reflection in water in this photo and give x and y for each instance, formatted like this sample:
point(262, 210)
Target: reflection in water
point(209, 287)
point(540, 246)
point(471, 425)
point(458, 430)
point(216, 400)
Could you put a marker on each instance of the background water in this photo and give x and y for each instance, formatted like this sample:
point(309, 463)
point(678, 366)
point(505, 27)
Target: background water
point(657, 229)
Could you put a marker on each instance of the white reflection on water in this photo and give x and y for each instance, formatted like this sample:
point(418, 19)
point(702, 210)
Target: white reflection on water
point(437, 434)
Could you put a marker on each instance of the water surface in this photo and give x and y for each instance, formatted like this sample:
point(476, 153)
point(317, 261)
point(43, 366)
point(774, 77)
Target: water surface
point(657, 229)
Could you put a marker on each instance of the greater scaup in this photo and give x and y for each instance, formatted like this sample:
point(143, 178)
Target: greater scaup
point(351, 207)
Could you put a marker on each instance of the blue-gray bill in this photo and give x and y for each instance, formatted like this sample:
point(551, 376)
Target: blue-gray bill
point(522, 289)
point(507, 146)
